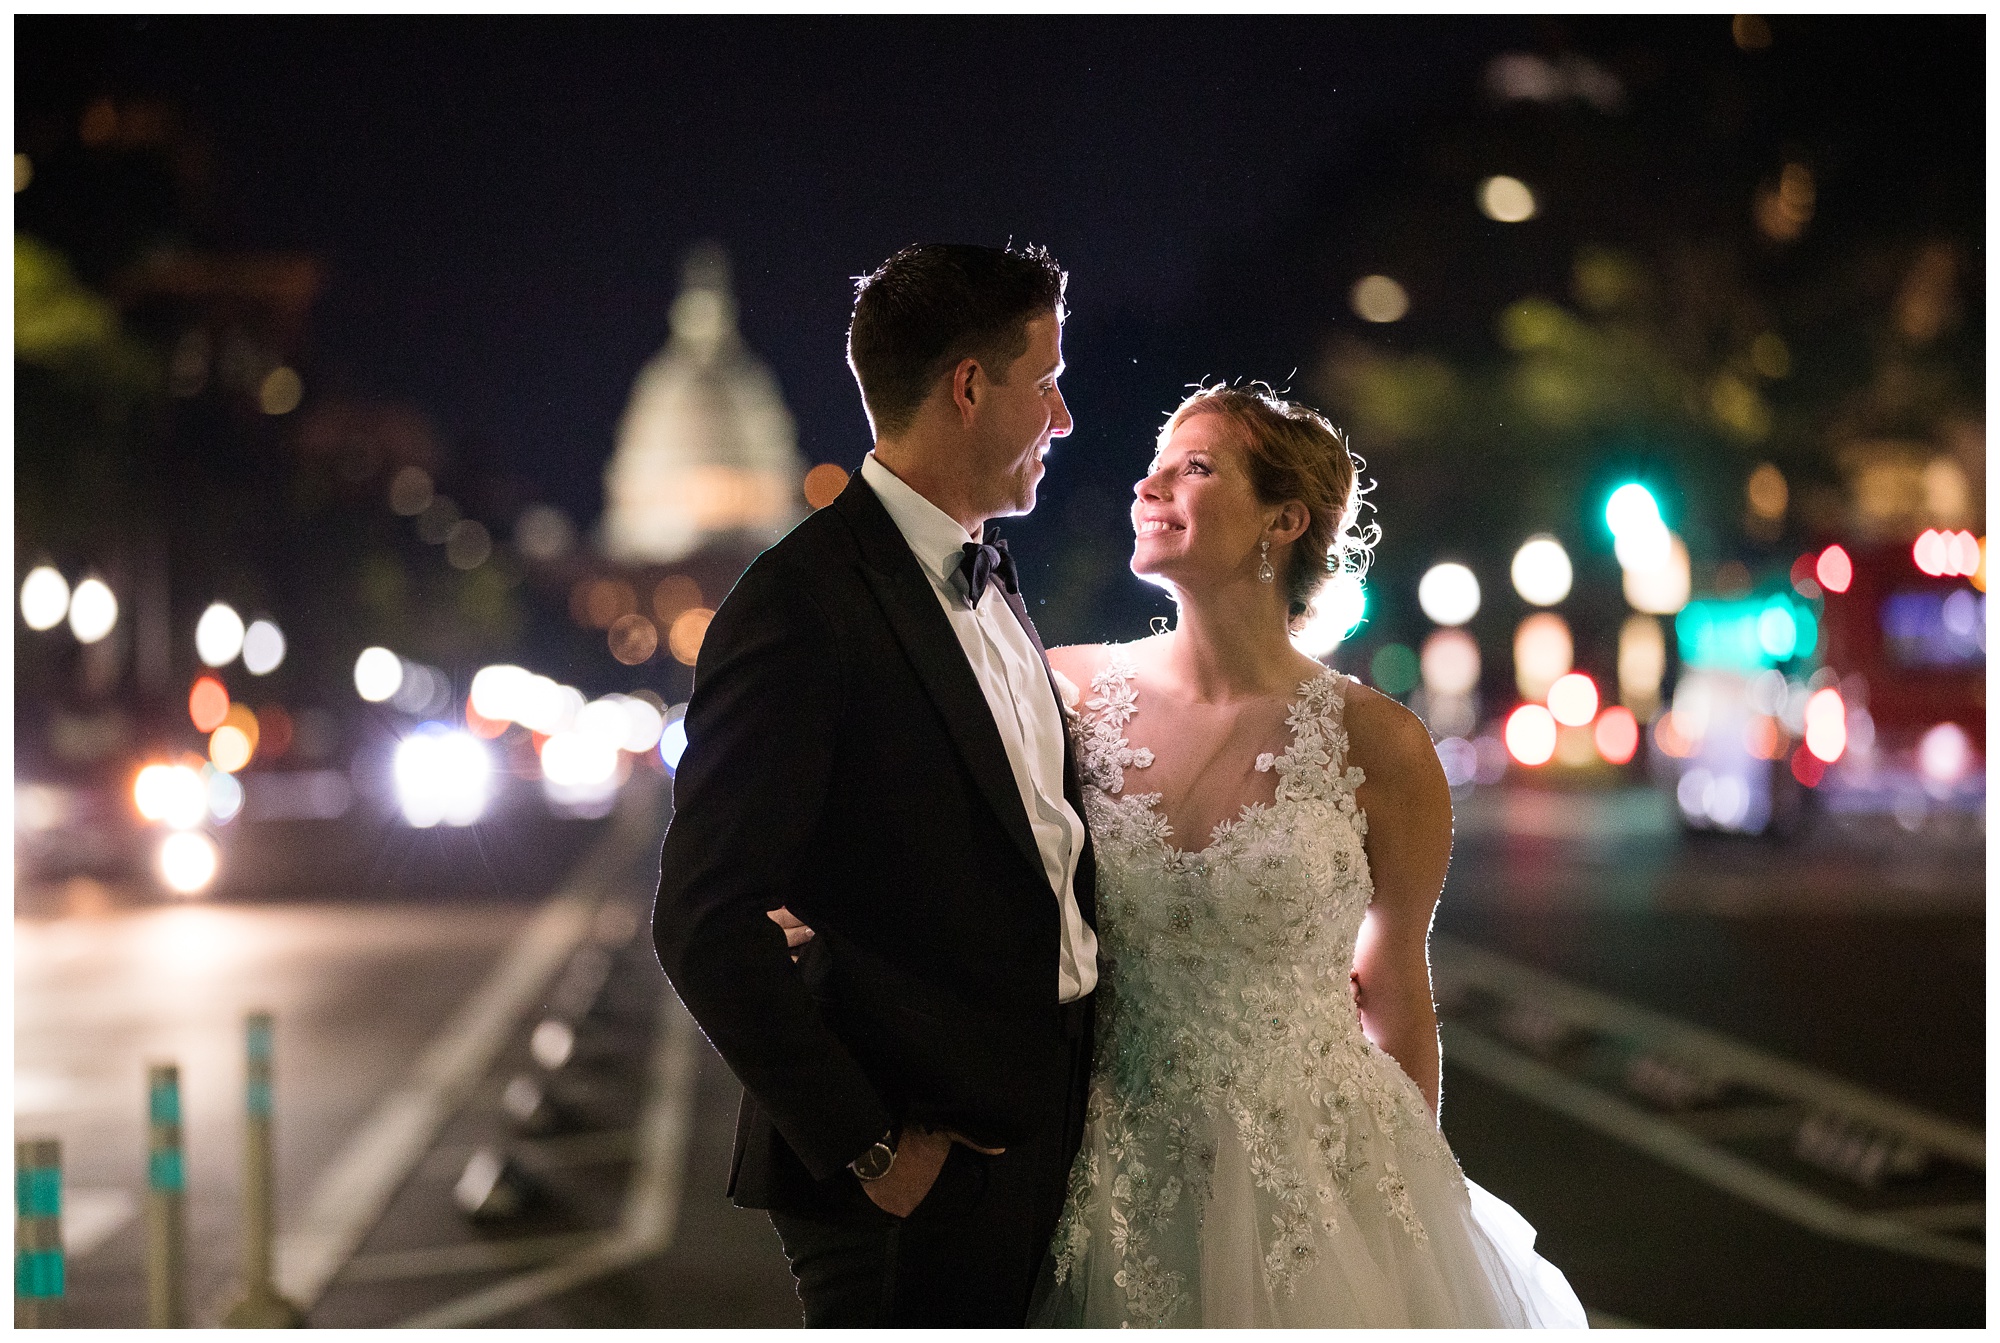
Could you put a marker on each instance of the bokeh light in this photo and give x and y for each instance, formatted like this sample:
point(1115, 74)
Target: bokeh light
point(543, 533)
point(1531, 735)
point(378, 674)
point(824, 483)
point(674, 739)
point(173, 795)
point(1450, 663)
point(1541, 571)
point(263, 648)
point(1834, 570)
point(44, 598)
point(672, 595)
point(410, 491)
point(229, 748)
point(1944, 753)
point(188, 862)
point(208, 704)
point(467, 545)
point(93, 611)
point(1542, 652)
point(280, 392)
point(1573, 699)
point(218, 635)
point(225, 795)
point(1449, 593)
point(1335, 614)
point(1826, 724)
point(1506, 200)
point(1642, 663)
point(1616, 735)
point(442, 774)
point(1377, 298)
point(689, 629)
point(1393, 669)
point(1661, 591)
point(633, 639)
point(1766, 492)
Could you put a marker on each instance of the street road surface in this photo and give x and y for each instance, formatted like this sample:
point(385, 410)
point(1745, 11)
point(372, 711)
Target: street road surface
point(1854, 960)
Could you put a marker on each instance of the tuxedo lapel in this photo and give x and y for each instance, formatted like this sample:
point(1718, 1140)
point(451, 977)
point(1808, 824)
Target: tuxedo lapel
point(911, 605)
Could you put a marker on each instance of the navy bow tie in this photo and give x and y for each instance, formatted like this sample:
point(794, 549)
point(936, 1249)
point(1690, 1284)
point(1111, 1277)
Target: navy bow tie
point(979, 565)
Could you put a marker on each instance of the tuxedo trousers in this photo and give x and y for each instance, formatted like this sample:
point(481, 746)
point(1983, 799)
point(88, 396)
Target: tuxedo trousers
point(969, 1254)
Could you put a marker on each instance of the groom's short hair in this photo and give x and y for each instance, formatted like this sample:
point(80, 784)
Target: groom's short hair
point(929, 306)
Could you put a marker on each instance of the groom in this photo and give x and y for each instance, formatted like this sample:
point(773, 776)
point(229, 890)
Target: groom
point(874, 744)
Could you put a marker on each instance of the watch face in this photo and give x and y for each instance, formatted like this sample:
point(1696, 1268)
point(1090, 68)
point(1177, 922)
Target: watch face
point(874, 1163)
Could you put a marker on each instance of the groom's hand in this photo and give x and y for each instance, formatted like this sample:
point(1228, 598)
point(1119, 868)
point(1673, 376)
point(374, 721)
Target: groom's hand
point(920, 1156)
point(796, 933)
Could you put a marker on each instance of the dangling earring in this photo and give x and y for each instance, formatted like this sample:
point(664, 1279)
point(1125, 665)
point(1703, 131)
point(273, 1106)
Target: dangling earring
point(1265, 573)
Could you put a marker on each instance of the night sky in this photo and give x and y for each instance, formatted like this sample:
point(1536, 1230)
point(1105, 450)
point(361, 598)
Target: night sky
point(501, 204)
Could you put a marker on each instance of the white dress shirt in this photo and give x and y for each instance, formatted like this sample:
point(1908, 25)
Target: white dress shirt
point(1016, 686)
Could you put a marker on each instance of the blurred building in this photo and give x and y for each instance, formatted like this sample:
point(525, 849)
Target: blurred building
point(707, 454)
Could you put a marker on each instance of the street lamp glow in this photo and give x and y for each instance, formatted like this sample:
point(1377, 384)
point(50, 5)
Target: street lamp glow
point(442, 774)
point(93, 610)
point(498, 692)
point(1506, 200)
point(263, 647)
point(1541, 571)
point(1573, 699)
point(1531, 735)
point(188, 862)
point(378, 674)
point(171, 794)
point(44, 598)
point(218, 635)
point(1449, 594)
point(1450, 663)
point(1335, 613)
point(642, 726)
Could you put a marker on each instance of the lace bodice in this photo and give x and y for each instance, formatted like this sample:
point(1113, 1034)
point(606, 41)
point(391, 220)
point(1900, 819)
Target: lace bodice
point(1224, 1001)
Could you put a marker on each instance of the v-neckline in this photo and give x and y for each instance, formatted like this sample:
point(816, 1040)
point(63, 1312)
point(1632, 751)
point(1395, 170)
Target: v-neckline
point(1224, 828)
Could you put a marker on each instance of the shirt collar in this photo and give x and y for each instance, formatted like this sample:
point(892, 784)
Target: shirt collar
point(934, 536)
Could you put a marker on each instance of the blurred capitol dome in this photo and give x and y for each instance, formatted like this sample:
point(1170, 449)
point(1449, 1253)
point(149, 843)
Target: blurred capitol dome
point(706, 450)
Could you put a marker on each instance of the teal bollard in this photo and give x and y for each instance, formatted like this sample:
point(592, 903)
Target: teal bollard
point(38, 1254)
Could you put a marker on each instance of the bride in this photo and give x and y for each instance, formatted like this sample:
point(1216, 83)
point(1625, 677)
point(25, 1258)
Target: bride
point(1262, 1146)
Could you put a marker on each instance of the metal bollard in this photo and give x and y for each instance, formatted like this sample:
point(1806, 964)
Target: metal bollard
point(166, 1201)
point(38, 1255)
point(261, 1306)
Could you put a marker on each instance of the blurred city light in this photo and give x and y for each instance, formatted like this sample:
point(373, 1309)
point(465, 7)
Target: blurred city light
point(672, 595)
point(1450, 663)
point(1377, 298)
point(633, 639)
point(188, 862)
point(603, 721)
point(1777, 632)
point(24, 172)
point(543, 533)
point(1449, 594)
point(1644, 548)
point(92, 611)
point(424, 690)
point(1506, 200)
point(44, 598)
point(1834, 570)
point(1460, 761)
point(823, 484)
point(218, 635)
point(1661, 591)
point(225, 795)
point(280, 392)
point(1944, 753)
point(1334, 615)
point(1541, 571)
point(1807, 768)
point(410, 491)
point(208, 704)
point(1393, 669)
point(1766, 492)
point(1826, 724)
point(263, 648)
point(1616, 735)
point(467, 545)
point(1573, 699)
point(378, 674)
point(1770, 356)
point(1642, 663)
point(1632, 508)
point(1750, 32)
point(498, 692)
point(1667, 735)
point(642, 726)
point(574, 760)
point(229, 747)
point(171, 794)
point(674, 737)
point(1542, 652)
point(441, 774)
point(1942, 554)
point(1531, 735)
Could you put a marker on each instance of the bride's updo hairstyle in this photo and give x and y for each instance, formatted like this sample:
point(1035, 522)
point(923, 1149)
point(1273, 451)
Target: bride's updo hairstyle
point(1294, 452)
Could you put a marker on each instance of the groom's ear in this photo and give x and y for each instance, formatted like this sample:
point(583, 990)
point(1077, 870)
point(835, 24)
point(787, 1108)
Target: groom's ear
point(965, 377)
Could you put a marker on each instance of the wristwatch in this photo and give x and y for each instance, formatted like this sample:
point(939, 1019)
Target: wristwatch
point(874, 1163)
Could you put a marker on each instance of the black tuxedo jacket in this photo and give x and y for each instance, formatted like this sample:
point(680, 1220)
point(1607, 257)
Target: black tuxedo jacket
point(842, 762)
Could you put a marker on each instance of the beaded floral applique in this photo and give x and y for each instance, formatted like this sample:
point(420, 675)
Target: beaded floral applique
point(1224, 1011)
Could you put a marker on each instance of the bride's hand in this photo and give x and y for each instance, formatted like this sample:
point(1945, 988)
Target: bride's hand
point(796, 933)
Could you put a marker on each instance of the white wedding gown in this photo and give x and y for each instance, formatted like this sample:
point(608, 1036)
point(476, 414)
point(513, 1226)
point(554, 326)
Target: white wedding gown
point(1250, 1158)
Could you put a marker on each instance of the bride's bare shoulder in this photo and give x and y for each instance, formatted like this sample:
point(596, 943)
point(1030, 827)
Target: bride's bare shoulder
point(1390, 743)
point(1079, 662)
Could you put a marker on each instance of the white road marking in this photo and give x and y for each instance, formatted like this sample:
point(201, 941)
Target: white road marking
point(652, 1201)
point(475, 1257)
point(92, 1216)
point(1725, 1059)
point(351, 1196)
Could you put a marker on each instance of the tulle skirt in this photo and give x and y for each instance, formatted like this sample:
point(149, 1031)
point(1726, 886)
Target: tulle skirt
point(1408, 1242)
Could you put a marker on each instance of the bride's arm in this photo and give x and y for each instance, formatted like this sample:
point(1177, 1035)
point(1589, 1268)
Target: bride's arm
point(1409, 847)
